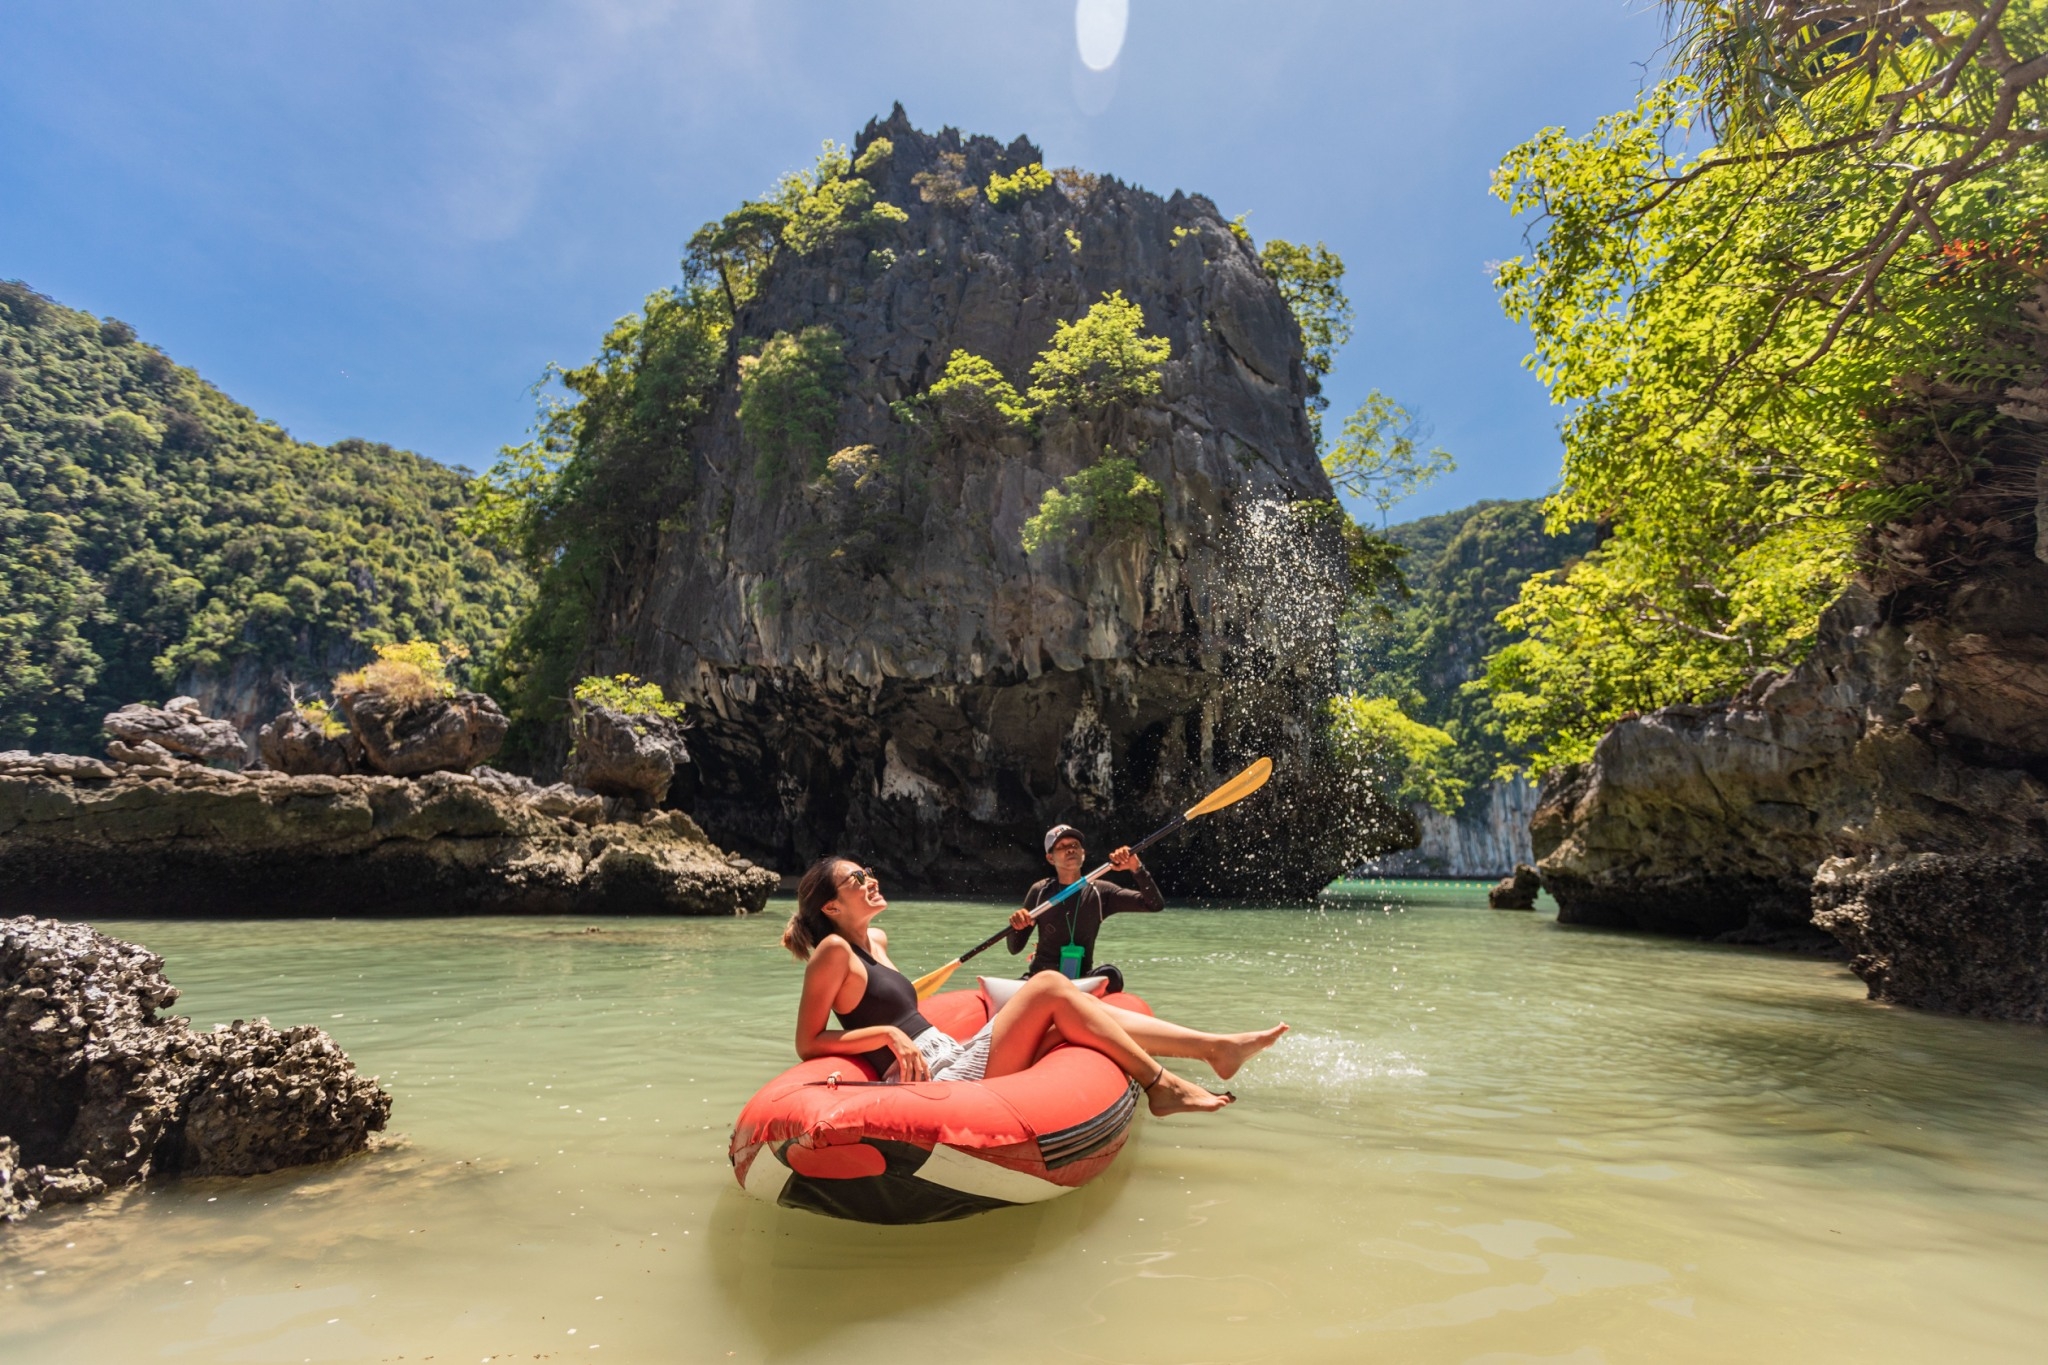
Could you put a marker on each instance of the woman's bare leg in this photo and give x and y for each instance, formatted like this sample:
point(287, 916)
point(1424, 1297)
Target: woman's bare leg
point(1048, 1001)
point(1224, 1052)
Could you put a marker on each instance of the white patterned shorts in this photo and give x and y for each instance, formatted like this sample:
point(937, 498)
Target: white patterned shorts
point(949, 1058)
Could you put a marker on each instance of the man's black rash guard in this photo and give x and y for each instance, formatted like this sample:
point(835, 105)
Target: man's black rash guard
point(1078, 918)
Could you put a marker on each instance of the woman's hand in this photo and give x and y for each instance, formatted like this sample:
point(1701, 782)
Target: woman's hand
point(1123, 860)
point(910, 1063)
point(1020, 919)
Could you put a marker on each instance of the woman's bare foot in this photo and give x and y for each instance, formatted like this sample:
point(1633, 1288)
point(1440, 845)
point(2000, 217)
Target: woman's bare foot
point(1172, 1095)
point(1233, 1050)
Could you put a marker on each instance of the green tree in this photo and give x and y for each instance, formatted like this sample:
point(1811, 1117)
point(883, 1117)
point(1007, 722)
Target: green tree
point(1412, 760)
point(1101, 358)
point(1311, 280)
point(1729, 326)
point(1379, 455)
point(973, 398)
point(1106, 496)
point(1021, 184)
point(790, 392)
point(577, 502)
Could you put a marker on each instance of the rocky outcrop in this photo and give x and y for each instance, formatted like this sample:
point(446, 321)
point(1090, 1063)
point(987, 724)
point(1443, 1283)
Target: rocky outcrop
point(1892, 790)
point(97, 1090)
point(634, 757)
point(1486, 837)
point(404, 737)
point(197, 840)
point(1517, 890)
point(1964, 934)
point(872, 661)
point(292, 744)
point(177, 729)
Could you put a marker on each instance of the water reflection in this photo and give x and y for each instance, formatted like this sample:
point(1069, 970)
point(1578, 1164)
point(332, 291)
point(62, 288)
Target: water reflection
point(1485, 1140)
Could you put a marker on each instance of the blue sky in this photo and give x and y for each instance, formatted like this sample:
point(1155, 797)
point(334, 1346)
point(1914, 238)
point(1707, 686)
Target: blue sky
point(383, 219)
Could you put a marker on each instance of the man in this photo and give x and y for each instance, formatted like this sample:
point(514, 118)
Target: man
point(1078, 918)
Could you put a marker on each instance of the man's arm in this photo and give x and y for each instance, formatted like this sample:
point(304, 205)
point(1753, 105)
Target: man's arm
point(1019, 939)
point(1123, 900)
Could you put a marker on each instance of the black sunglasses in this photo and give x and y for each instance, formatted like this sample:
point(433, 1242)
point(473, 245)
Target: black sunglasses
point(860, 876)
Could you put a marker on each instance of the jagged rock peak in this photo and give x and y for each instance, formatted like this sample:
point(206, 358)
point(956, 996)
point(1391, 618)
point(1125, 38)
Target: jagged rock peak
point(874, 660)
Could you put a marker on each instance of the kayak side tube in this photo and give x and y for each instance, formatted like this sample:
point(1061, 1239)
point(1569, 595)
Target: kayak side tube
point(827, 1137)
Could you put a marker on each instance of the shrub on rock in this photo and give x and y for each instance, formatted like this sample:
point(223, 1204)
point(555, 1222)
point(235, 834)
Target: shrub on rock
point(409, 717)
point(629, 740)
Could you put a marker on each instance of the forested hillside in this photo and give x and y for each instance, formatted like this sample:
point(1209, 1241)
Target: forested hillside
point(1421, 652)
point(156, 536)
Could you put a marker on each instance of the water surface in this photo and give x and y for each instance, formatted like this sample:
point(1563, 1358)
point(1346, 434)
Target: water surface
point(1489, 1139)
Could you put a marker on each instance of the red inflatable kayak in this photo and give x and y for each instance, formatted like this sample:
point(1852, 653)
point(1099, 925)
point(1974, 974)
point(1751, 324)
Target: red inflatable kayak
point(827, 1136)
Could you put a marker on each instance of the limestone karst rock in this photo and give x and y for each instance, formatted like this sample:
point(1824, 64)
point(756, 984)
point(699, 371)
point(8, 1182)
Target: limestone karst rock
point(1517, 890)
point(197, 840)
point(292, 744)
point(177, 727)
point(98, 1090)
point(404, 738)
point(874, 664)
point(631, 756)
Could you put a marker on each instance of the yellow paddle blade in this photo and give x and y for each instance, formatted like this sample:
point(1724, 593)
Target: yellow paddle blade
point(1235, 790)
point(928, 984)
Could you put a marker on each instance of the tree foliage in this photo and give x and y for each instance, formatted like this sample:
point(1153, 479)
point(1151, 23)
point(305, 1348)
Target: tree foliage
point(152, 532)
point(606, 464)
point(790, 392)
point(1018, 185)
point(1311, 280)
point(1725, 326)
point(1103, 357)
point(1412, 760)
point(1427, 649)
point(1379, 456)
point(1109, 496)
point(973, 398)
point(626, 693)
point(806, 211)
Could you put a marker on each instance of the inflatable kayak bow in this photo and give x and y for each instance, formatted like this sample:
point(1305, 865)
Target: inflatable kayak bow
point(826, 1136)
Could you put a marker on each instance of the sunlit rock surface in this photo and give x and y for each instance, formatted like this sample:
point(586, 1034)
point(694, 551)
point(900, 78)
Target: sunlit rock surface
point(86, 841)
point(98, 1090)
point(1487, 837)
point(874, 665)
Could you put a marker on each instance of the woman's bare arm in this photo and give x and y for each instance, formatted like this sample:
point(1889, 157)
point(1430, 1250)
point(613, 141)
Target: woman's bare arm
point(825, 978)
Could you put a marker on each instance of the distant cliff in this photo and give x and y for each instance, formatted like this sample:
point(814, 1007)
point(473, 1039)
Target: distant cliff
point(873, 661)
point(158, 538)
point(1485, 838)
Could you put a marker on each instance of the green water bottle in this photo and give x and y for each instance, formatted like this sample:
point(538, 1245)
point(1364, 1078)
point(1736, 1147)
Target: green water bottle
point(1070, 961)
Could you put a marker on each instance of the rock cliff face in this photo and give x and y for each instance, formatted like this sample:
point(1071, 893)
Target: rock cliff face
point(97, 1090)
point(79, 837)
point(873, 662)
point(1892, 790)
point(1488, 837)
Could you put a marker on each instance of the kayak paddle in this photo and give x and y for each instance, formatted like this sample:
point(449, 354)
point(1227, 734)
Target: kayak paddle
point(1229, 794)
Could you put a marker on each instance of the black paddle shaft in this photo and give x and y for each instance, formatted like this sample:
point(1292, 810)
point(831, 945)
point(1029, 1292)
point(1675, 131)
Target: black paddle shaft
point(1154, 837)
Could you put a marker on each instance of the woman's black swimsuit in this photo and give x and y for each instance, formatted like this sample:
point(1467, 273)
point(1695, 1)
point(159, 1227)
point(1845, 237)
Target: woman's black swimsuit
point(890, 999)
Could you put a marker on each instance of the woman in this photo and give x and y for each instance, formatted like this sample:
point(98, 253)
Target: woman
point(848, 972)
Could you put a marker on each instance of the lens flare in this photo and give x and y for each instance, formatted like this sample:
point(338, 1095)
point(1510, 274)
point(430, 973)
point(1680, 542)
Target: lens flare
point(1099, 31)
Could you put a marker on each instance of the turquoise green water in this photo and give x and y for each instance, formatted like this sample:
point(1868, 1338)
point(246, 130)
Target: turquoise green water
point(1488, 1139)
